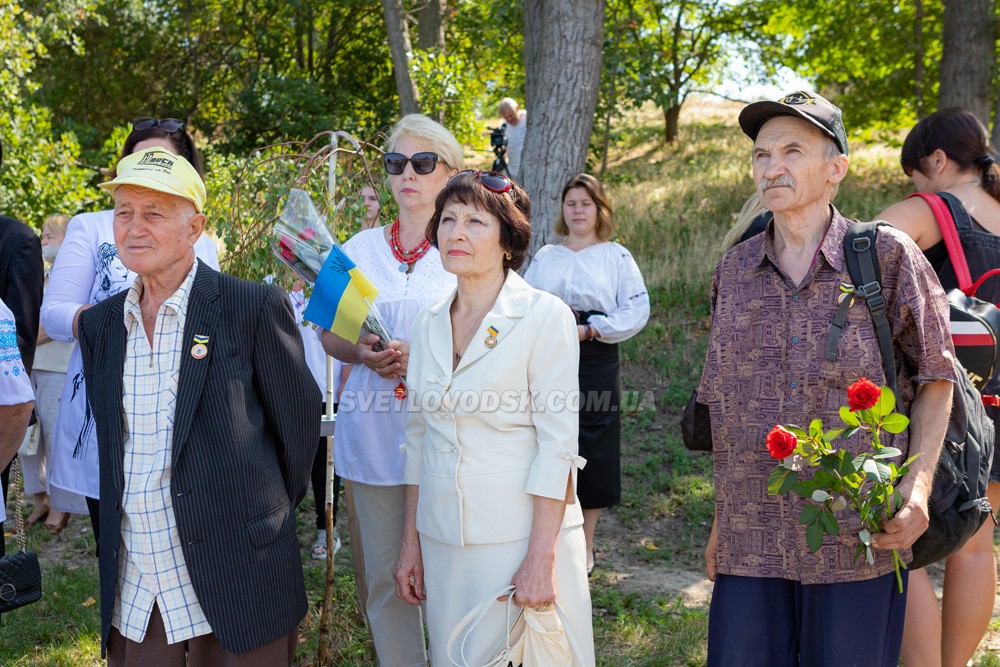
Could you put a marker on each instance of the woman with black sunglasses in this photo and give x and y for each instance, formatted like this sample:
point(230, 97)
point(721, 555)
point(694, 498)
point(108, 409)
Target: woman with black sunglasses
point(491, 447)
point(397, 258)
point(87, 271)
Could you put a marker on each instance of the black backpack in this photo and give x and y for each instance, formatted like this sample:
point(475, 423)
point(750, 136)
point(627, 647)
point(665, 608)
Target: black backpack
point(958, 504)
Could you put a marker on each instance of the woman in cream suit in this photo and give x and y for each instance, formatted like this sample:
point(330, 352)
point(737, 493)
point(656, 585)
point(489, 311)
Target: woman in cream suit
point(491, 441)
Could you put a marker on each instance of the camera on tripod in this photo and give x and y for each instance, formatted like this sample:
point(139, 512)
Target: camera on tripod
point(498, 141)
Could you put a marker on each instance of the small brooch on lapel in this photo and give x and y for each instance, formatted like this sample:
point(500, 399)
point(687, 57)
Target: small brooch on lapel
point(200, 347)
point(491, 340)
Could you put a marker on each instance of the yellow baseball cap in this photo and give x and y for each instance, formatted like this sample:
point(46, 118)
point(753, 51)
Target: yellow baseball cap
point(158, 169)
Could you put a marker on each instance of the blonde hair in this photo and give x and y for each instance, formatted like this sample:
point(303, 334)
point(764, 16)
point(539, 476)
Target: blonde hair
point(605, 218)
point(429, 135)
point(57, 223)
point(752, 208)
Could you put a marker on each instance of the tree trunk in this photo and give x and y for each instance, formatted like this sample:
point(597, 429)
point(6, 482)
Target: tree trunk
point(996, 124)
point(399, 48)
point(918, 58)
point(968, 56)
point(671, 116)
point(430, 25)
point(563, 42)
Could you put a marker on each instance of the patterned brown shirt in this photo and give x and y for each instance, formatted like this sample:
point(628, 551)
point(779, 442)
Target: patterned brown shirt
point(766, 365)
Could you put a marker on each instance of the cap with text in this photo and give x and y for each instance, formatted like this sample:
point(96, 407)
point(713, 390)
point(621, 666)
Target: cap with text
point(805, 105)
point(159, 169)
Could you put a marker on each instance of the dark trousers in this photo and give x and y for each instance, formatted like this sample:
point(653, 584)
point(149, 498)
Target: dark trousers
point(757, 621)
point(203, 651)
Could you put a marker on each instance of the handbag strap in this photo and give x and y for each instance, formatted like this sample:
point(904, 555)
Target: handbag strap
point(945, 221)
point(15, 468)
point(472, 620)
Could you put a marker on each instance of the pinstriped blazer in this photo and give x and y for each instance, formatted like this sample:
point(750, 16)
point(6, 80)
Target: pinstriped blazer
point(246, 427)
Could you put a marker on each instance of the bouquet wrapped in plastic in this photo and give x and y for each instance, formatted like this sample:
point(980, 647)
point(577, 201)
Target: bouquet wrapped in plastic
point(343, 299)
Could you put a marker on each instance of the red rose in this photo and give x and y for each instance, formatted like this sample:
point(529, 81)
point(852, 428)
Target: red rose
point(863, 394)
point(781, 442)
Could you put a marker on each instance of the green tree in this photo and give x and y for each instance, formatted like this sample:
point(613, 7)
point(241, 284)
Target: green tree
point(662, 50)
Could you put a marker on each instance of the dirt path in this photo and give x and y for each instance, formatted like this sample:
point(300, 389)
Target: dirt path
point(632, 574)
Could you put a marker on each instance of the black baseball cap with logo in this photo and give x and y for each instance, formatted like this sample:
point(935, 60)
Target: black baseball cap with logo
point(808, 106)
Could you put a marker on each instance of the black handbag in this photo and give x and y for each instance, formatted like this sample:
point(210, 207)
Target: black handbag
point(696, 425)
point(20, 576)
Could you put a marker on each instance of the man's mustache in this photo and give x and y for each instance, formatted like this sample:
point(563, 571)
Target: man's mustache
point(781, 181)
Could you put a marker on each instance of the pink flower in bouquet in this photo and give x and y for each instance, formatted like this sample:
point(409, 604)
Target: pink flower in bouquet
point(307, 234)
point(781, 442)
point(862, 395)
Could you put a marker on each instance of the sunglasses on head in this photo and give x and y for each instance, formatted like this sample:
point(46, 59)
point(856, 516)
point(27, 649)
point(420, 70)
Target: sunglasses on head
point(165, 124)
point(423, 163)
point(491, 180)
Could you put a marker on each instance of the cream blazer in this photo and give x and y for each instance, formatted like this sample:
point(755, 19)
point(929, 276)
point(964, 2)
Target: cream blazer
point(501, 428)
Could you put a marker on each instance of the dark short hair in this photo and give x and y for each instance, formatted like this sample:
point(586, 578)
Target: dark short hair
point(962, 137)
point(512, 209)
point(180, 139)
point(605, 217)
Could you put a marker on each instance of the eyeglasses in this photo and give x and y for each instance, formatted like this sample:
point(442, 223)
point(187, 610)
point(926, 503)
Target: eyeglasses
point(423, 163)
point(165, 124)
point(491, 180)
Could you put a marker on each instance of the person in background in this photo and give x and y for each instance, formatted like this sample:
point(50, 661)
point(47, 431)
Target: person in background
point(21, 278)
point(516, 126)
point(369, 196)
point(490, 496)
point(598, 279)
point(775, 602)
point(207, 421)
point(949, 151)
point(47, 379)
point(87, 271)
point(398, 259)
point(16, 397)
point(316, 359)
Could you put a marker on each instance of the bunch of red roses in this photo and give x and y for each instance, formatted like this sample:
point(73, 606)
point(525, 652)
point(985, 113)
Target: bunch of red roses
point(865, 483)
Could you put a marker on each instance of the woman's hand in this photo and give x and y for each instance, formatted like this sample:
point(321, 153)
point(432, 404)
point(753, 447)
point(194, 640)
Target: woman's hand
point(535, 581)
point(387, 362)
point(409, 573)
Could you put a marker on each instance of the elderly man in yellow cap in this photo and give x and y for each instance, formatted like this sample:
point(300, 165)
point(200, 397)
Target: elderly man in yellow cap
point(207, 424)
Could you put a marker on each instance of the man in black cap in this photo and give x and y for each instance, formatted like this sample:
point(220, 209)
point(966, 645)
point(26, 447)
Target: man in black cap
point(774, 297)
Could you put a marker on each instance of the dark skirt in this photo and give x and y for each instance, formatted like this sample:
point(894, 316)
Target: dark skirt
point(599, 484)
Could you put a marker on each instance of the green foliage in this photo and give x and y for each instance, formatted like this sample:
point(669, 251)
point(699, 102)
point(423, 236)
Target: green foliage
point(41, 174)
point(449, 92)
point(879, 60)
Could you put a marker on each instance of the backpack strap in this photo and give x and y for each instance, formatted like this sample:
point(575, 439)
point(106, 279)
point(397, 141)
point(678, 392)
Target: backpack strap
point(862, 264)
point(757, 225)
point(949, 232)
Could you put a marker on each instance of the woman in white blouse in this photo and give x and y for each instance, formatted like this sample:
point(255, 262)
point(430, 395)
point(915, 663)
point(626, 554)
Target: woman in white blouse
point(86, 272)
point(420, 157)
point(491, 447)
point(601, 282)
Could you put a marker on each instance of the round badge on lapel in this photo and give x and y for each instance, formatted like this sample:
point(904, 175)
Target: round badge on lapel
point(199, 351)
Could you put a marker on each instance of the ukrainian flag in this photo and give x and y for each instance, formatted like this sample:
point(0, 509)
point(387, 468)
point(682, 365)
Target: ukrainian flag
point(341, 297)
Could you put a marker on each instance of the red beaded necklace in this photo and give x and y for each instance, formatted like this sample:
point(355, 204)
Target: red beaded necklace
point(403, 256)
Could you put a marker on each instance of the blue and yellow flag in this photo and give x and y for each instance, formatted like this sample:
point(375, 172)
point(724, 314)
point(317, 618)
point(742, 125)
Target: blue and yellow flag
point(341, 297)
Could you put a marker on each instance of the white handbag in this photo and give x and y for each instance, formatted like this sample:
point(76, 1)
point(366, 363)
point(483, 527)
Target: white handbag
point(533, 639)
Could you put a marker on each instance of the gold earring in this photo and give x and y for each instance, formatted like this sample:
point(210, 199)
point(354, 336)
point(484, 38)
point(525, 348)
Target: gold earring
point(508, 256)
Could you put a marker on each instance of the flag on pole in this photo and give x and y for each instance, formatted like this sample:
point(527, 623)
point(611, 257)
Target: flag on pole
point(342, 297)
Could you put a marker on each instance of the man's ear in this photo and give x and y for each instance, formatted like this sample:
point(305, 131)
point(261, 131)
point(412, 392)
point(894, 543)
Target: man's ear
point(196, 225)
point(838, 168)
